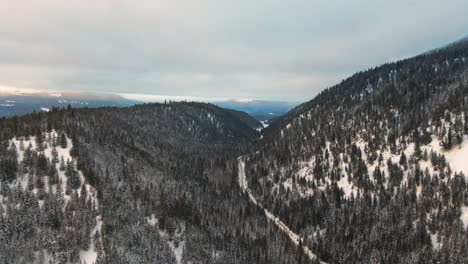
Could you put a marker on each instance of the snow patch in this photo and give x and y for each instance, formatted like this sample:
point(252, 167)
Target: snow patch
point(89, 256)
point(152, 221)
point(176, 242)
point(457, 157)
point(464, 216)
point(295, 238)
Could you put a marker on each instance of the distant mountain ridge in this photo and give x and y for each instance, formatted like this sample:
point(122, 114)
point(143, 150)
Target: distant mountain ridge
point(262, 110)
point(20, 101)
point(6, 91)
point(159, 176)
point(373, 162)
point(372, 170)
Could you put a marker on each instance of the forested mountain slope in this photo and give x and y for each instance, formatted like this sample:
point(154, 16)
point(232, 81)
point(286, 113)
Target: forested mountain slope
point(247, 119)
point(153, 183)
point(374, 169)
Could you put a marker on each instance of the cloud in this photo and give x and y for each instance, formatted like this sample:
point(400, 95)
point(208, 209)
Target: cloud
point(261, 49)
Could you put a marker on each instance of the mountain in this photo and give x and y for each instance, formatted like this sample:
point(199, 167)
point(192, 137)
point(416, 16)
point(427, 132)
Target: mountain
point(153, 183)
point(21, 105)
point(247, 119)
point(373, 170)
point(21, 101)
point(260, 109)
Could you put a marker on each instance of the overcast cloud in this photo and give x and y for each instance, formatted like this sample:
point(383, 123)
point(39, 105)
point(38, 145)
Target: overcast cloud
point(268, 49)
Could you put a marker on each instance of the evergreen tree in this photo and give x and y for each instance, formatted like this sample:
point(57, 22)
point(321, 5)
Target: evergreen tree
point(63, 140)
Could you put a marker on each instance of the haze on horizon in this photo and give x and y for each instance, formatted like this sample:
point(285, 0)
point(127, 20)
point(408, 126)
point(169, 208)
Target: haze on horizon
point(275, 50)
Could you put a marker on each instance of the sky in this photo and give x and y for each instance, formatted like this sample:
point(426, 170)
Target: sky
point(263, 49)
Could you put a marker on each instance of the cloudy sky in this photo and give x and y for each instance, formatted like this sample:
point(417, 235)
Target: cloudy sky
point(268, 49)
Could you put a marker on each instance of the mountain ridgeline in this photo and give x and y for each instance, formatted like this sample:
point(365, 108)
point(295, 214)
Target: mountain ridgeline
point(372, 170)
point(153, 183)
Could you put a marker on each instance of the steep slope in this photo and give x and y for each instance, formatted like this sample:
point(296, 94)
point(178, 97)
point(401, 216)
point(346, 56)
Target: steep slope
point(165, 178)
point(247, 119)
point(259, 109)
point(295, 238)
point(371, 169)
point(45, 182)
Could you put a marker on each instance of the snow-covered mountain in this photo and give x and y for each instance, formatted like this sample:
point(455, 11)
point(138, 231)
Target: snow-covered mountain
point(262, 110)
point(20, 101)
point(164, 181)
point(372, 170)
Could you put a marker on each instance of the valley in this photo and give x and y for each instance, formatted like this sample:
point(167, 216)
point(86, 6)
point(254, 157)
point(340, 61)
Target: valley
point(371, 170)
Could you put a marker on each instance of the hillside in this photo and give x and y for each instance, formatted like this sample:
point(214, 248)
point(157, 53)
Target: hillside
point(373, 169)
point(247, 119)
point(149, 183)
point(259, 109)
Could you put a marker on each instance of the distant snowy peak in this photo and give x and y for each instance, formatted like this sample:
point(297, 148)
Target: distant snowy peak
point(243, 100)
point(19, 91)
point(11, 90)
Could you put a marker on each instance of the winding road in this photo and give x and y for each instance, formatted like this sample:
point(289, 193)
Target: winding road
point(295, 238)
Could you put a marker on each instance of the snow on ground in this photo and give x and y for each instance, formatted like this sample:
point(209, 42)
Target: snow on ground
point(62, 153)
point(2, 204)
point(457, 157)
point(307, 172)
point(347, 187)
point(177, 250)
point(89, 256)
point(295, 238)
point(464, 216)
point(152, 221)
point(436, 245)
point(175, 242)
point(86, 257)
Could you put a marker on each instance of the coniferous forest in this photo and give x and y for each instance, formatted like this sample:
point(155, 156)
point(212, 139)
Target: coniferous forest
point(372, 170)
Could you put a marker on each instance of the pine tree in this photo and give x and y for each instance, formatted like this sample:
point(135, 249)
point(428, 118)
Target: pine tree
point(73, 177)
point(62, 164)
point(417, 150)
point(39, 141)
point(63, 140)
point(55, 159)
point(403, 161)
